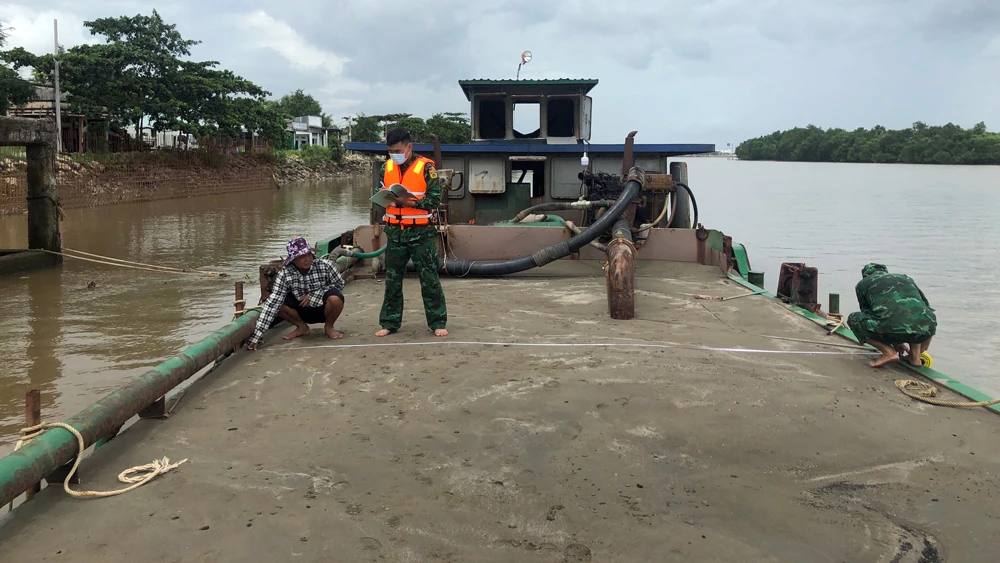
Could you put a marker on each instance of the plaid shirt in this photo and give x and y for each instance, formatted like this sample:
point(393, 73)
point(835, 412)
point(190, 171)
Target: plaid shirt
point(322, 276)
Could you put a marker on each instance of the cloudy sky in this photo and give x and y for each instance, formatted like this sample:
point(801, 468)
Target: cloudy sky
point(698, 71)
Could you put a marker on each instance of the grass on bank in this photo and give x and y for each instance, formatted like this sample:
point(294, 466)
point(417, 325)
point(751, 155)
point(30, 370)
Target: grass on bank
point(198, 158)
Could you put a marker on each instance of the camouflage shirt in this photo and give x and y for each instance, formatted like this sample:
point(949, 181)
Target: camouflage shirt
point(430, 202)
point(895, 304)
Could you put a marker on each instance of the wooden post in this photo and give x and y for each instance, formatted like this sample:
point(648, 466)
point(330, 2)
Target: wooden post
point(33, 417)
point(43, 195)
point(239, 302)
point(835, 303)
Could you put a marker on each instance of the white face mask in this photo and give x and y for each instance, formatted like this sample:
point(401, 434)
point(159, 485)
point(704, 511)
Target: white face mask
point(398, 158)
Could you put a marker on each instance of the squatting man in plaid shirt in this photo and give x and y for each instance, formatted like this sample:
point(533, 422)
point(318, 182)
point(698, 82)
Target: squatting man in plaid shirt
point(307, 291)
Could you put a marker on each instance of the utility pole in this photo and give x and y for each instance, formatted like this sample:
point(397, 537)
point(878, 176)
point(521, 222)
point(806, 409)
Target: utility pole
point(348, 118)
point(55, 34)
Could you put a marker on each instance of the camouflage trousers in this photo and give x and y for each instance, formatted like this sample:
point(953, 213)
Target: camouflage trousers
point(867, 328)
point(424, 254)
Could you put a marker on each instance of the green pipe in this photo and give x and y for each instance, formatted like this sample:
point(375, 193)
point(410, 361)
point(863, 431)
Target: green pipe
point(366, 255)
point(38, 458)
point(342, 252)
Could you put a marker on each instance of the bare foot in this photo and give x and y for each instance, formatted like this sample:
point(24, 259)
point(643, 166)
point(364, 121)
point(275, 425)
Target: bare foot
point(884, 359)
point(301, 331)
point(917, 361)
point(383, 332)
point(441, 332)
point(333, 333)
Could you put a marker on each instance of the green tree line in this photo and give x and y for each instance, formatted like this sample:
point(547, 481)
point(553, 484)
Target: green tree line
point(920, 144)
point(142, 74)
point(13, 90)
point(450, 127)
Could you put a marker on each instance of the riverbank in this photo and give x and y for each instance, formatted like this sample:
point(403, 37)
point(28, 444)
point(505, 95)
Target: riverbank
point(89, 180)
point(293, 168)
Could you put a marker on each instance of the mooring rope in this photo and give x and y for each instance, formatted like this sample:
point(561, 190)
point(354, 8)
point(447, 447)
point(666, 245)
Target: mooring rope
point(144, 267)
point(169, 268)
point(926, 392)
point(584, 345)
point(242, 312)
point(133, 475)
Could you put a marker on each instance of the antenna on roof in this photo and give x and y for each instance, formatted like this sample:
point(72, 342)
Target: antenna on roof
point(525, 59)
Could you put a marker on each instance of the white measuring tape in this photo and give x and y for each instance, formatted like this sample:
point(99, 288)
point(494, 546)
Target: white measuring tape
point(581, 345)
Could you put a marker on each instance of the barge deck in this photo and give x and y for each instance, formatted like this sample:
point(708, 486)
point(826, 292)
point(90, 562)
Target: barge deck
point(571, 444)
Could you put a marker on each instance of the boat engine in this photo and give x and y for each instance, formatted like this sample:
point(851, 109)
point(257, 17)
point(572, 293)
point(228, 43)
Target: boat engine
point(599, 186)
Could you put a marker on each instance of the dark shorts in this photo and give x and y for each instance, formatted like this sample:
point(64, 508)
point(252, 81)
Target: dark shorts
point(311, 315)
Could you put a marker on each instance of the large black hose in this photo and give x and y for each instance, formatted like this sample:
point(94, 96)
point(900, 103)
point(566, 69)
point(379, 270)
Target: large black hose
point(556, 251)
point(621, 229)
point(694, 203)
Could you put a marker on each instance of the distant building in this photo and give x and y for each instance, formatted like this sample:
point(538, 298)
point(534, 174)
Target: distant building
point(74, 125)
point(308, 130)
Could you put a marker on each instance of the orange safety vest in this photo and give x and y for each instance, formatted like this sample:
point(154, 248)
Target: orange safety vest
point(413, 180)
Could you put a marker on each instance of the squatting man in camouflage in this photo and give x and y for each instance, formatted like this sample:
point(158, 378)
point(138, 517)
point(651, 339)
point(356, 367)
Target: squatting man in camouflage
point(895, 316)
point(307, 291)
point(411, 235)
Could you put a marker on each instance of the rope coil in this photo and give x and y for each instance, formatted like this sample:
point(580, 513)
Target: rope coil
point(133, 475)
point(926, 392)
point(834, 321)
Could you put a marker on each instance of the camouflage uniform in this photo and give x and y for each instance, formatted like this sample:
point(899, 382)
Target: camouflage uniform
point(893, 309)
point(418, 243)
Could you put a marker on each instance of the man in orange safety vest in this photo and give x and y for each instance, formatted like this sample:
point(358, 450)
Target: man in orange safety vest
point(410, 235)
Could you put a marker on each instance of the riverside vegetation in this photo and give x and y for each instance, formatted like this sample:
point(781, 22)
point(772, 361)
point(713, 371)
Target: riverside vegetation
point(140, 75)
point(919, 144)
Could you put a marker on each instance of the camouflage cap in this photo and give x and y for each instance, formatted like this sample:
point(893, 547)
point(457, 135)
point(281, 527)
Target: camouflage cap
point(872, 268)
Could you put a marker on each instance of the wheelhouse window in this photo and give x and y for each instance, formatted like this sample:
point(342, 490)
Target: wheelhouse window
point(492, 118)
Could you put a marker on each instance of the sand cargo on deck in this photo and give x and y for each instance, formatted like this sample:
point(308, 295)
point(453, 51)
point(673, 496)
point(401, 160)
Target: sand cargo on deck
point(618, 386)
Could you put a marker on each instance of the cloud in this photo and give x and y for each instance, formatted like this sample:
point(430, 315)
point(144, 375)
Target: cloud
point(992, 48)
point(677, 70)
point(33, 30)
point(270, 33)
